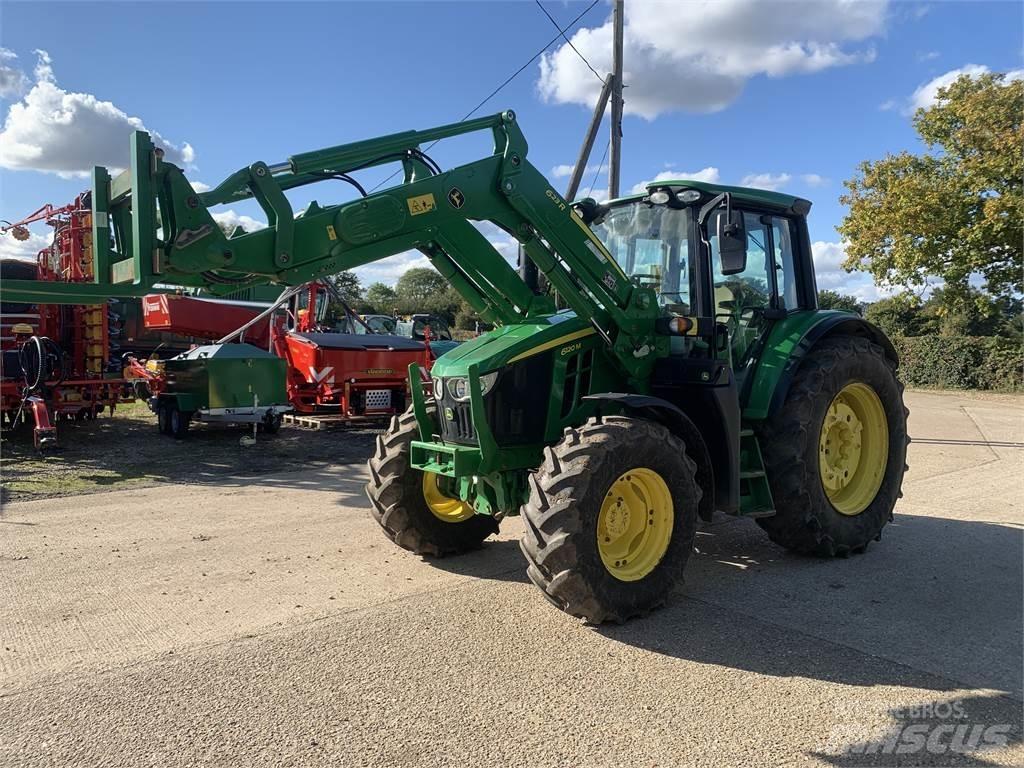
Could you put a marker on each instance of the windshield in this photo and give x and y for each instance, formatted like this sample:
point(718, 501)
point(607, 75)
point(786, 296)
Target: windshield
point(651, 244)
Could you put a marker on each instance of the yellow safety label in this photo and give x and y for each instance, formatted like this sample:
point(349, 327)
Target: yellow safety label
point(331, 233)
point(421, 204)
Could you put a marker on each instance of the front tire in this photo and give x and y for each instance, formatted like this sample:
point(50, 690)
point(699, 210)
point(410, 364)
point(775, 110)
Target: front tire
point(611, 518)
point(835, 452)
point(411, 506)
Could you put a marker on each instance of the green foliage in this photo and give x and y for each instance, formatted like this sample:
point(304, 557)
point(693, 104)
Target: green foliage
point(961, 362)
point(381, 299)
point(836, 300)
point(896, 316)
point(351, 292)
point(954, 212)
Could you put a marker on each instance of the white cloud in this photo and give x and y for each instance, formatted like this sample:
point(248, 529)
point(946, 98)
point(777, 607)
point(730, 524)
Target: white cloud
point(888, 105)
point(927, 93)
point(684, 56)
point(830, 276)
point(565, 171)
point(927, 55)
point(13, 82)
point(230, 219)
point(708, 175)
point(770, 181)
point(54, 131)
point(23, 249)
point(390, 269)
point(200, 187)
point(813, 180)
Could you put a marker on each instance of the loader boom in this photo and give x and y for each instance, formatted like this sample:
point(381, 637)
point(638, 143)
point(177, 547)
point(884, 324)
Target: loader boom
point(151, 227)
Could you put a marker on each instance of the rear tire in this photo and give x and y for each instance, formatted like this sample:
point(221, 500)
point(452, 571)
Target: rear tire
point(567, 533)
point(398, 504)
point(807, 520)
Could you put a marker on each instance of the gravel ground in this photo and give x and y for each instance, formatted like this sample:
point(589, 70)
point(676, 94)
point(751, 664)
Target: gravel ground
point(126, 451)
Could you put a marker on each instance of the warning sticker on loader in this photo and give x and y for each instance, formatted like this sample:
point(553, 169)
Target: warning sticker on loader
point(421, 204)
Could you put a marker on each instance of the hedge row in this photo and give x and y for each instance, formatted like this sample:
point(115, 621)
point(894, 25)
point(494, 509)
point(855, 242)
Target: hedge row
point(961, 362)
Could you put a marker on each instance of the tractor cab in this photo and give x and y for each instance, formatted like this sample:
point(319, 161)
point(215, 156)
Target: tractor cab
point(669, 239)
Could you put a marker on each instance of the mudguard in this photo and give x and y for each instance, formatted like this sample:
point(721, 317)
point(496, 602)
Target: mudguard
point(789, 341)
point(664, 412)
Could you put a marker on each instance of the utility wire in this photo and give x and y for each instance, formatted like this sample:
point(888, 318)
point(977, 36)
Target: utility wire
point(508, 80)
point(562, 33)
point(599, 167)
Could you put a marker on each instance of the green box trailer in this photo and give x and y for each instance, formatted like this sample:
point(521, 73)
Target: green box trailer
point(231, 383)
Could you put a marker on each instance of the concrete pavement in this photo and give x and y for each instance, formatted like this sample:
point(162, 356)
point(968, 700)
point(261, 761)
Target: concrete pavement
point(267, 621)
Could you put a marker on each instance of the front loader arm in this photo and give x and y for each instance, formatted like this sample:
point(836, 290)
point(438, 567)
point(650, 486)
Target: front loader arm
point(152, 228)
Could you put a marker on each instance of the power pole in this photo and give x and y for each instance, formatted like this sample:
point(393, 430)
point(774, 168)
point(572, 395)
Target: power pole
point(615, 155)
point(588, 140)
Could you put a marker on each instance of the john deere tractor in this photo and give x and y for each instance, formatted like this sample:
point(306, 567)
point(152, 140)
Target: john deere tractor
point(675, 363)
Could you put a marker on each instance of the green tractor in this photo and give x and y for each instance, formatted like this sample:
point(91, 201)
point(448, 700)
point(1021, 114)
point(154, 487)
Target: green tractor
point(674, 364)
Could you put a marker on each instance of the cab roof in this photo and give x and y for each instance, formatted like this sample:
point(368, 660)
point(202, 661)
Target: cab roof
point(788, 203)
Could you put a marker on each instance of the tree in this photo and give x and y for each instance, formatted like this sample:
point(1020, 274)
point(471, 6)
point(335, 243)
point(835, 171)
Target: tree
point(419, 288)
point(381, 299)
point(897, 316)
point(954, 213)
point(423, 289)
point(836, 300)
point(348, 287)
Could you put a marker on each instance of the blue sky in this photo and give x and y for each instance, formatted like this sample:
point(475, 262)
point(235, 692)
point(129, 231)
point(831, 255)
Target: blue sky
point(787, 95)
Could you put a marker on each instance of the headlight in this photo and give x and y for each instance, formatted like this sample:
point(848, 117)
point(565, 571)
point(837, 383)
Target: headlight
point(437, 387)
point(458, 386)
point(487, 382)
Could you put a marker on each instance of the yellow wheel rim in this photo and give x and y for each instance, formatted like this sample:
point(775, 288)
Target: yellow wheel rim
point(634, 526)
point(853, 448)
point(444, 507)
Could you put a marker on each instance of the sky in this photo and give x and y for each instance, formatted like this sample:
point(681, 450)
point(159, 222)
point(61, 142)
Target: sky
point(778, 95)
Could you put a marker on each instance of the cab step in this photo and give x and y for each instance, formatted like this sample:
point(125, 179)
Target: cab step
point(755, 495)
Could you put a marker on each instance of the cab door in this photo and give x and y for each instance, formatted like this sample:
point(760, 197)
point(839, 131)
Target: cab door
point(749, 302)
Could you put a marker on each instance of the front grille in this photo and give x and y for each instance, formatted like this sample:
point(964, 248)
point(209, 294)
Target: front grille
point(457, 423)
point(516, 409)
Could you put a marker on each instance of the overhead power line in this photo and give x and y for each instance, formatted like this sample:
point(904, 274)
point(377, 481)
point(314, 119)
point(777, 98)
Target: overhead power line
point(509, 79)
point(567, 40)
point(599, 167)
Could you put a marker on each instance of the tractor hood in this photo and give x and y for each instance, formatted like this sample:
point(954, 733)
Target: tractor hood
point(511, 343)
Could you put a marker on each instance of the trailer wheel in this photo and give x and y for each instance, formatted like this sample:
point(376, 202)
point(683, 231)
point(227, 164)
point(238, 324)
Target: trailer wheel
point(611, 518)
point(163, 421)
point(414, 508)
point(178, 422)
point(835, 452)
point(271, 423)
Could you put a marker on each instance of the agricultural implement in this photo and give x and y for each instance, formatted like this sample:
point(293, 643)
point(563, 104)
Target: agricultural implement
point(57, 361)
point(677, 365)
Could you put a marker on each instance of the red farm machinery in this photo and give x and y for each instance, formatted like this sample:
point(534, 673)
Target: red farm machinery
point(57, 361)
point(344, 377)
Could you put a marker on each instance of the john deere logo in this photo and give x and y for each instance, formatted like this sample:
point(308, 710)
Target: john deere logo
point(448, 414)
point(456, 198)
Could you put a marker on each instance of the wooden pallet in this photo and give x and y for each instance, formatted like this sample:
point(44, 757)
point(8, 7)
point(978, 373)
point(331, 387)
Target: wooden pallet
point(332, 420)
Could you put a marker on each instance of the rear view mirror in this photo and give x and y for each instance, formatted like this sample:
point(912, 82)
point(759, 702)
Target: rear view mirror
point(732, 241)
